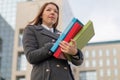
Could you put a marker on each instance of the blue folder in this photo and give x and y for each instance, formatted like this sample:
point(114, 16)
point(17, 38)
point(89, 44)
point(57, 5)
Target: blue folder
point(64, 33)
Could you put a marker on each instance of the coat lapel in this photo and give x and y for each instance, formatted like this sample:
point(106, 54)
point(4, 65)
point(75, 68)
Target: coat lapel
point(46, 32)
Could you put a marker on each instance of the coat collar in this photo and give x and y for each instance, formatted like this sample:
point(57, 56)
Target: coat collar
point(46, 32)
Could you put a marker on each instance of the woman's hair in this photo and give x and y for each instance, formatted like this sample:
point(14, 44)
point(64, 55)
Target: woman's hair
point(38, 19)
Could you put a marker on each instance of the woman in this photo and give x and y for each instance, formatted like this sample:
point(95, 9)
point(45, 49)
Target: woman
point(37, 41)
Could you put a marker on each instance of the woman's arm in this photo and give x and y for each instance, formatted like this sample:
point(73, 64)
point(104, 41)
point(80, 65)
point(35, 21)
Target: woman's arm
point(78, 58)
point(32, 51)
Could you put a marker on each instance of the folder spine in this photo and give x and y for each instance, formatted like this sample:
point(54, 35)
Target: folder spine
point(62, 36)
point(74, 30)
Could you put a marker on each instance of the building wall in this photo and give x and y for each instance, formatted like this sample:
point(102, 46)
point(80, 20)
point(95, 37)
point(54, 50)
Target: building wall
point(102, 59)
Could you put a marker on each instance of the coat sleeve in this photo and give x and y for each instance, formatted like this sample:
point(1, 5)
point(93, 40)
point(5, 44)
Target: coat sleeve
point(78, 58)
point(33, 53)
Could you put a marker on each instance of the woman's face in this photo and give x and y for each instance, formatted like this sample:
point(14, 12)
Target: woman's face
point(50, 15)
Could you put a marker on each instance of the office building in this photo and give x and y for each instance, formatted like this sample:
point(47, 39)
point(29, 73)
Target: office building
point(8, 10)
point(6, 49)
point(101, 62)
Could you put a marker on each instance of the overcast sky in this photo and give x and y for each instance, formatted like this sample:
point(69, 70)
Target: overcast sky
point(105, 15)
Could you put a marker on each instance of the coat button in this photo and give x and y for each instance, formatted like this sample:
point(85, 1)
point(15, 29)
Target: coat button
point(47, 70)
point(57, 65)
point(65, 68)
point(50, 53)
point(53, 40)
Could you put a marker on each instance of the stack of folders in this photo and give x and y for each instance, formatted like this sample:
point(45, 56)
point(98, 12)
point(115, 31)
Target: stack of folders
point(76, 31)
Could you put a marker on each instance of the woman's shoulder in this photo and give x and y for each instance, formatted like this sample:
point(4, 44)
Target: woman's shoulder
point(29, 26)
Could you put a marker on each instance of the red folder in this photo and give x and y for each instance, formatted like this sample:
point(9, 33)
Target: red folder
point(74, 30)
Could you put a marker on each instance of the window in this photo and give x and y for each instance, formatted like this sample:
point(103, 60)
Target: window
point(115, 61)
point(108, 62)
point(114, 52)
point(108, 72)
point(93, 53)
point(21, 62)
point(88, 75)
point(86, 53)
point(107, 52)
point(20, 78)
point(101, 63)
point(87, 63)
point(116, 72)
point(100, 52)
point(20, 37)
point(101, 72)
point(93, 63)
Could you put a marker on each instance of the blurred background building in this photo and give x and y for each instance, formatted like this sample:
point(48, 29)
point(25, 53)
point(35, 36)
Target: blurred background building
point(101, 62)
point(6, 49)
point(7, 22)
point(101, 59)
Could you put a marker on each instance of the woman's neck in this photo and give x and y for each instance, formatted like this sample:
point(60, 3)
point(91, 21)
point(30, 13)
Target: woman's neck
point(48, 25)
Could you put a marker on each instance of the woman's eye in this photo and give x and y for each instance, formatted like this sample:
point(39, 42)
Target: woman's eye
point(48, 10)
point(56, 11)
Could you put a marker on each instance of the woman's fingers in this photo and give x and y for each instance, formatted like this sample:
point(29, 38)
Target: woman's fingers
point(73, 43)
point(64, 46)
point(67, 47)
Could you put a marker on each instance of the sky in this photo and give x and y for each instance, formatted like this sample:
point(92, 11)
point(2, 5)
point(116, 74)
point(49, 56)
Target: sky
point(105, 15)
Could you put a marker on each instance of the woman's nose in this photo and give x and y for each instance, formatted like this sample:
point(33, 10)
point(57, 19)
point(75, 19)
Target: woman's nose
point(52, 12)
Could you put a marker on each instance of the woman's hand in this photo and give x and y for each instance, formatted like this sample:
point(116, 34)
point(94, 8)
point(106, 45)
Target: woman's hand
point(68, 48)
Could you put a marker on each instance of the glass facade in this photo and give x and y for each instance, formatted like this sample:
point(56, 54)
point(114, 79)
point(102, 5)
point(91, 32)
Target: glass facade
point(8, 10)
point(7, 38)
point(88, 75)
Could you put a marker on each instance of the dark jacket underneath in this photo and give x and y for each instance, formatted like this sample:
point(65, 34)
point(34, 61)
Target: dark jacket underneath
point(37, 42)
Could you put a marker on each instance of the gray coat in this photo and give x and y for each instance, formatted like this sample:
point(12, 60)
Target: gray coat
point(37, 42)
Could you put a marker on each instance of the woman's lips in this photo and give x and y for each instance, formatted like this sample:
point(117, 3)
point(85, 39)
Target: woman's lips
point(52, 17)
